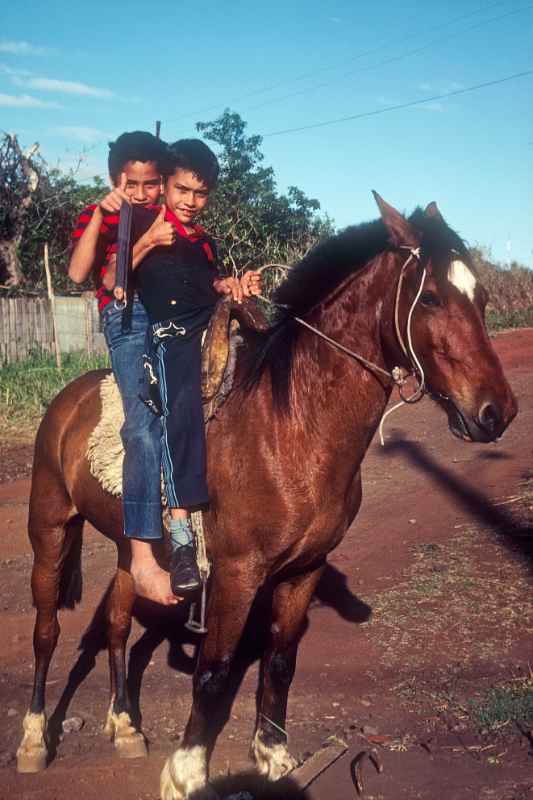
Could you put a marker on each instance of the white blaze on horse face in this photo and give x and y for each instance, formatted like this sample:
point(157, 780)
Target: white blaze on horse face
point(462, 278)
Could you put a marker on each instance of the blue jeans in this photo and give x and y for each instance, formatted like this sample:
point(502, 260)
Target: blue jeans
point(179, 366)
point(141, 432)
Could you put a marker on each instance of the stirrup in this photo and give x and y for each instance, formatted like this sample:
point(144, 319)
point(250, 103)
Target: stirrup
point(193, 625)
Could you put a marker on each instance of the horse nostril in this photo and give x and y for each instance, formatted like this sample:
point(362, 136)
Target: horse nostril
point(489, 417)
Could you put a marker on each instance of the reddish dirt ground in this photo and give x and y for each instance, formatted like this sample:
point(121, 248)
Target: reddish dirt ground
point(426, 606)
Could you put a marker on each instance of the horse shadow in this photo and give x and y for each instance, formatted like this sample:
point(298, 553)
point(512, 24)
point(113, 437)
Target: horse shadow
point(515, 533)
point(250, 785)
point(167, 624)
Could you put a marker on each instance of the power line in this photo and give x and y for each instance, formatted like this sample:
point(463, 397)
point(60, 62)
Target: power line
point(386, 61)
point(409, 104)
point(330, 68)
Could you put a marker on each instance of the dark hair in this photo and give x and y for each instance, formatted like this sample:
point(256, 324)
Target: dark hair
point(194, 156)
point(136, 146)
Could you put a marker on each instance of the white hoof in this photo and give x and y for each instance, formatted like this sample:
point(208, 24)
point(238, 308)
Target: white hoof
point(273, 761)
point(185, 772)
point(129, 742)
point(32, 753)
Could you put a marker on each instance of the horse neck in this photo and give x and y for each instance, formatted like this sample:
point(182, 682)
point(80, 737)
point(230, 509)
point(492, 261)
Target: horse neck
point(324, 378)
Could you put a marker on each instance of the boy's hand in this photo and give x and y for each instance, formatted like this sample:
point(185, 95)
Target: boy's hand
point(113, 201)
point(110, 277)
point(251, 283)
point(108, 281)
point(161, 233)
point(229, 286)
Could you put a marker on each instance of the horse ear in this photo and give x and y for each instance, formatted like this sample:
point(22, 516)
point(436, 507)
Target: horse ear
point(399, 229)
point(432, 211)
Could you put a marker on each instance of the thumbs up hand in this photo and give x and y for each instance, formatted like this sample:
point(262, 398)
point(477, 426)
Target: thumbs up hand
point(113, 201)
point(161, 233)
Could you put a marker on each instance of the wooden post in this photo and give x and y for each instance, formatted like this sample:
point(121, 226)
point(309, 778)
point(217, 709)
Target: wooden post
point(158, 129)
point(52, 305)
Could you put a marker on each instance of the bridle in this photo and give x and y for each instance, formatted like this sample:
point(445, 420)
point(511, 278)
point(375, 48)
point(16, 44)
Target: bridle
point(398, 375)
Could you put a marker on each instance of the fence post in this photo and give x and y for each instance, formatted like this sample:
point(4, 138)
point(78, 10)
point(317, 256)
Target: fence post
point(52, 305)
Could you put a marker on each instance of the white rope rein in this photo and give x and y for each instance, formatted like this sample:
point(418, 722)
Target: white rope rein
point(397, 374)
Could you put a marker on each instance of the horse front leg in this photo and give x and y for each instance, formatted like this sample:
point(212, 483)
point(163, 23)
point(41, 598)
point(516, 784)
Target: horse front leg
point(233, 589)
point(289, 606)
point(128, 741)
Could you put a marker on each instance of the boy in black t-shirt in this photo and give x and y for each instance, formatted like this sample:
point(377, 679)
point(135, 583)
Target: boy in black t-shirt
point(179, 286)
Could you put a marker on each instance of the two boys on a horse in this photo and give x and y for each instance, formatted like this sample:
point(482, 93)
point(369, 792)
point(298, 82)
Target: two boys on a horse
point(176, 287)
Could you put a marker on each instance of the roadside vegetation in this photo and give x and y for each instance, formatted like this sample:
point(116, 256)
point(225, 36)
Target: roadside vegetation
point(28, 387)
point(510, 290)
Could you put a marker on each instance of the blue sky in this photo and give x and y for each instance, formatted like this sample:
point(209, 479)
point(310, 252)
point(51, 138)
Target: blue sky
point(72, 77)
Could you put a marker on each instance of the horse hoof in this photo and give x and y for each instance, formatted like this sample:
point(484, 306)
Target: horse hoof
point(129, 743)
point(185, 774)
point(272, 761)
point(131, 746)
point(31, 760)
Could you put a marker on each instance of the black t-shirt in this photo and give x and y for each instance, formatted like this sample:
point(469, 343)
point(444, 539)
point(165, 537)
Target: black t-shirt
point(176, 281)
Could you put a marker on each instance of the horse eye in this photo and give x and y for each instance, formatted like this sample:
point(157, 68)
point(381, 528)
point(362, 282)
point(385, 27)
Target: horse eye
point(430, 299)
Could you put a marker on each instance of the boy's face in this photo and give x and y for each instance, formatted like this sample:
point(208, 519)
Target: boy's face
point(186, 195)
point(143, 182)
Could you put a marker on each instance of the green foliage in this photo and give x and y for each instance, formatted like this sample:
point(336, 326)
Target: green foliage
point(253, 223)
point(27, 387)
point(511, 318)
point(51, 217)
point(510, 288)
point(37, 205)
point(503, 704)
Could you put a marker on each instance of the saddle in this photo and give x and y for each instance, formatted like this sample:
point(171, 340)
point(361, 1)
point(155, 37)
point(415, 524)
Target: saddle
point(219, 357)
point(105, 452)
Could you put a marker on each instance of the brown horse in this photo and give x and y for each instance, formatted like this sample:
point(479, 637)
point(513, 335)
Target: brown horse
point(284, 466)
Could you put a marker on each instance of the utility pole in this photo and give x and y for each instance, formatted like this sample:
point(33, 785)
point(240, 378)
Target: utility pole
point(158, 128)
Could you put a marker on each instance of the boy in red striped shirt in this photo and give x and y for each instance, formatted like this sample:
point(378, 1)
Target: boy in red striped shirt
point(136, 163)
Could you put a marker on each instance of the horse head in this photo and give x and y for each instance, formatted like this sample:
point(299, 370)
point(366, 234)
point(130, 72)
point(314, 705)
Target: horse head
point(440, 331)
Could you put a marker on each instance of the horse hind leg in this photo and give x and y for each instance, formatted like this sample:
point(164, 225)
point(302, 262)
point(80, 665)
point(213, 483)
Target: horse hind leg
point(289, 606)
point(128, 741)
point(55, 533)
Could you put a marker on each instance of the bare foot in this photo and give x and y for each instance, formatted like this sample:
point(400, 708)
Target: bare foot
point(153, 583)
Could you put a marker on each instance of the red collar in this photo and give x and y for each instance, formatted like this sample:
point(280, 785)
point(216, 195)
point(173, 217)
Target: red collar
point(198, 231)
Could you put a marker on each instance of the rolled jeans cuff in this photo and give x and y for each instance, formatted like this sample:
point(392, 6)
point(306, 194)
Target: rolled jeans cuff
point(142, 520)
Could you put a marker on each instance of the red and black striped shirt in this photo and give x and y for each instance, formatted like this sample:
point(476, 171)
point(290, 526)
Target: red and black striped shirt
point(107, 244)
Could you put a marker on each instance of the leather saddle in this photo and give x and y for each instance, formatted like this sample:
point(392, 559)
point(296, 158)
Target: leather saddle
point(221, 337)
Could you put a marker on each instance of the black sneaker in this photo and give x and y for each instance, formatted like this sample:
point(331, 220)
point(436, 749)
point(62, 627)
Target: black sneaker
point(184, 573)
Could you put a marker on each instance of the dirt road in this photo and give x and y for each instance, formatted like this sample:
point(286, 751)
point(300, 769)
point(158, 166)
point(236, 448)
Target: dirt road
point(426, 606)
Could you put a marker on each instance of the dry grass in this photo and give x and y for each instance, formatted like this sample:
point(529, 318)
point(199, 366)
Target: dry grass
point(469, 596)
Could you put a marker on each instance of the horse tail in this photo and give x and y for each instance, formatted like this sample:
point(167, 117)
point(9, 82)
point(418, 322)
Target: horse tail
point(70, 582)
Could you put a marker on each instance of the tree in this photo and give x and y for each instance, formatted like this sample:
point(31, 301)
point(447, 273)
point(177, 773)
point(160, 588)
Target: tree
point(37, 205)
point(19, 180)
point(252, 223)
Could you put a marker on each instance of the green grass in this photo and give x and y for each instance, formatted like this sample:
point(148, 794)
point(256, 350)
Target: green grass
point(514, 318)
point(27, 387)
point(503, 704)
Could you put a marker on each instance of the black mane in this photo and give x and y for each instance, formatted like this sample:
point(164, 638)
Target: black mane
point(319, 273)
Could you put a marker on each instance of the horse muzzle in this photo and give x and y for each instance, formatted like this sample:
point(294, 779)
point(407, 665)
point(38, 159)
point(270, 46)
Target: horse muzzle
point(486, 424)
